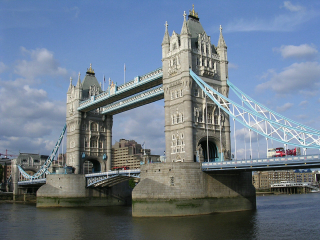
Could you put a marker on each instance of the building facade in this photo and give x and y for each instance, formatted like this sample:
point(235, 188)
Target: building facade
point(195, 128)
point(130, 154)
point(264, 179)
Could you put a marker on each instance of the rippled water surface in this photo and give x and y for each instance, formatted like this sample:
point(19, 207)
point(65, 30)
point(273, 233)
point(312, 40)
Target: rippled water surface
point(276, 217)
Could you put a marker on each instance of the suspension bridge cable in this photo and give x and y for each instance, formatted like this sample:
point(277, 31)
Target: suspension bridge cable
point(275, 127)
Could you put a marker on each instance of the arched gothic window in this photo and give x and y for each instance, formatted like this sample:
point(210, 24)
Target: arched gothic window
point(94, 127)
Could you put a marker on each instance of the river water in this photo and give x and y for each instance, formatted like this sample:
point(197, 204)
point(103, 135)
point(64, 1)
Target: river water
point(276, 217)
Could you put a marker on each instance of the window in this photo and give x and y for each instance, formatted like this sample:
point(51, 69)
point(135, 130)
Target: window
point(177, 94)
point(171, 95)
point(210, 118)
point(181, 93)
point(178, 118)
point(93, 143)
point(200, 116)
point(100, 144)
point(172, 119)
point(196, 93)
point(94, 127)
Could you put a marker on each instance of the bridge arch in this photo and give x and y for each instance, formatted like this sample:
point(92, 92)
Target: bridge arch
point(202, 150)
point(92, 165)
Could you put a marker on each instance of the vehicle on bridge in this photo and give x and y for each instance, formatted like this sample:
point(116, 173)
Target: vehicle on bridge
point(281, 152)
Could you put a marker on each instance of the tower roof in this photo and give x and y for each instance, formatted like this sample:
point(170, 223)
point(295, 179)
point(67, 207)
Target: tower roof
point(166, 38)
point(221, 42)
point(88, 81)
point(194, 26)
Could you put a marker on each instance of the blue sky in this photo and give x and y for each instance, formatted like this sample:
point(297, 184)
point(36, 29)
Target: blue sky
point(272, 51)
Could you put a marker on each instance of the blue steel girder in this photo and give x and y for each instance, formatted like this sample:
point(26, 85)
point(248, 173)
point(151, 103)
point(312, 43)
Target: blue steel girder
point(110, 178)
point(268, 113)
point(44, 168)
point(257, 122)
point(139, 84)
point(135, 101)
point(265, 164)
point(40, 181)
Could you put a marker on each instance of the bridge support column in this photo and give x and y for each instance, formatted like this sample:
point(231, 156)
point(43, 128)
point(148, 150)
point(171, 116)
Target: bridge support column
point(179, 189)
point(109, 119)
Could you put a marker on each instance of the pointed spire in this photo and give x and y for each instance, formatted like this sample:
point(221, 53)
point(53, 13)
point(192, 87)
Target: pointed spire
point(166, 38)
point(70, 85)
point(184, 29)
point(221, 42)
point(79, 81)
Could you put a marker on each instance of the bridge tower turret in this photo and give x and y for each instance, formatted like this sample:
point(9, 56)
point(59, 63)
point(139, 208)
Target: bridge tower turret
point(195, 129)
point(89, 134)
point(74, 96)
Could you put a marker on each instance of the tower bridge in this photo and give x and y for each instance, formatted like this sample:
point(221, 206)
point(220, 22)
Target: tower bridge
point(199, 176)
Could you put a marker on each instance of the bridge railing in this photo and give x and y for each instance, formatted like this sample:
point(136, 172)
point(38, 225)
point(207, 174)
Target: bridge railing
point(303, 161)
point(97, 179)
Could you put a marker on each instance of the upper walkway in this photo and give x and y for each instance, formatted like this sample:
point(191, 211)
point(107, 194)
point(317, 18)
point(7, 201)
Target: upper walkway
point(118, 93)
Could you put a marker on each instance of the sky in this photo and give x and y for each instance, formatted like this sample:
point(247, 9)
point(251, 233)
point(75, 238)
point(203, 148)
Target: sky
point(273, 53)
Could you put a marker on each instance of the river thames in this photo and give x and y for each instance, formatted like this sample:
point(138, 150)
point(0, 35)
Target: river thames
point(276, 217)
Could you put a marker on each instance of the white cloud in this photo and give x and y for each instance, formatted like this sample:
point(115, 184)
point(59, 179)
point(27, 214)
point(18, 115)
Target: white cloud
point(74, 10)
point(143, 124)
point(29, 119)
point(293, 8)
point(41, 63)
point(302, 116)
point(3, 67)
point(286, 21)
point(310, 93)
point(303, 103)
point(297, 77)
point(304, 51)
point(284, 107)
point(232, 66)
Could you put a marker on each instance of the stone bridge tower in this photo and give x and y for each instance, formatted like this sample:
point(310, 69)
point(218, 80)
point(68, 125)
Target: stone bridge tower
point(195, 129)
point(89, 135)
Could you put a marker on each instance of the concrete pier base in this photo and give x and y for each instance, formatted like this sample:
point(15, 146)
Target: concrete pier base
point(180, 189)
point(70, 191)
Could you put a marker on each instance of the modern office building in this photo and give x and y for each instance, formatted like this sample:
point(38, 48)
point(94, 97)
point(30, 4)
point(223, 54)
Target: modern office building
point(130, 154)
